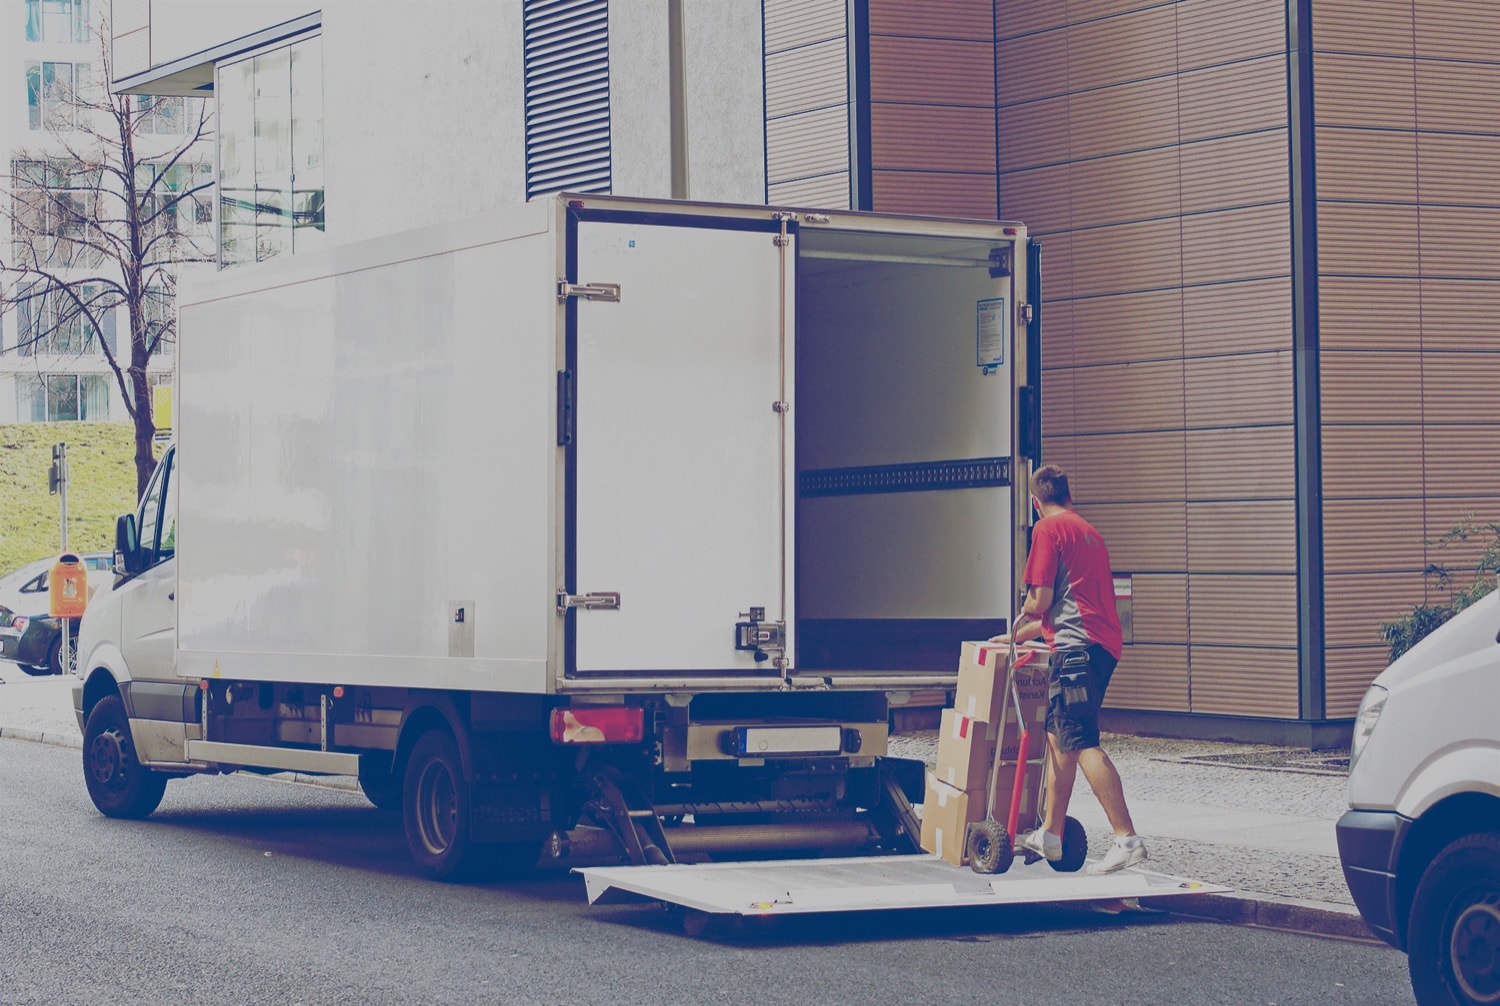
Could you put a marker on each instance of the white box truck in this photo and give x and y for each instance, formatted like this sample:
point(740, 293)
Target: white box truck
point(634, 514)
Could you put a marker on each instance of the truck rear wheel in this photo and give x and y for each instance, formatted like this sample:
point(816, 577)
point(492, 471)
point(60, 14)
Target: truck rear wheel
point(436, 808)
point(118, 783)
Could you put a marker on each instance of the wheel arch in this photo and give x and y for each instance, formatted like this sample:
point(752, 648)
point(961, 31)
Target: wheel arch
point(101, 683)
point(1446, 821)
point(426, 711)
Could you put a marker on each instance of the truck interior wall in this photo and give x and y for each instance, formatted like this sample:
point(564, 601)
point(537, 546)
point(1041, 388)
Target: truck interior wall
point(887, 375)
point(361, 450)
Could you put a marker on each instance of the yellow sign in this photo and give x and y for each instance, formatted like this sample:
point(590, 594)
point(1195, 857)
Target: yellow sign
point(161, 406)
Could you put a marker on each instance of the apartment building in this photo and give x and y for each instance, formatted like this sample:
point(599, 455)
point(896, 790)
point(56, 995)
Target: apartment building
point(1266, 274)
point(53, 365)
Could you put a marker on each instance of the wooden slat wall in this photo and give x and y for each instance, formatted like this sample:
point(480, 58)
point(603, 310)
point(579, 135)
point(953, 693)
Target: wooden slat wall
point(932, 107)
point(1146, 143)
point(807, 102)
point(1408, 372)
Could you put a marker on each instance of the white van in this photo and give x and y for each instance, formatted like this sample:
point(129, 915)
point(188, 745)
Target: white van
point(1420, 843)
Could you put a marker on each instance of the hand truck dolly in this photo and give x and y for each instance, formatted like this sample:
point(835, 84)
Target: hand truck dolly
point(990, 844)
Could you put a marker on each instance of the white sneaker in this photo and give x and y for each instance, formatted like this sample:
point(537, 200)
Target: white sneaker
point(1043, 843)
point(1123, 853)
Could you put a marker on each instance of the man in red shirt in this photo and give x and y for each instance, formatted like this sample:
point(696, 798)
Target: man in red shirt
point(1070, 602)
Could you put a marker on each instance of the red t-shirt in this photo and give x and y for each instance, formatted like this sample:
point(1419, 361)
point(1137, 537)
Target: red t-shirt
point(1068, 555)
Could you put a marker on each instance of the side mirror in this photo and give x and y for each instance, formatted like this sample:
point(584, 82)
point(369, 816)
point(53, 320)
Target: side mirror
point(128, 558)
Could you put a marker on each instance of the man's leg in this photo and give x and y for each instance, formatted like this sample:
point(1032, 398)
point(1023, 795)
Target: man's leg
point(1059, 785)
point(1104, 780)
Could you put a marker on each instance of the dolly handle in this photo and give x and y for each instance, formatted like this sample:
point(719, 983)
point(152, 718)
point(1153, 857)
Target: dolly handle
point(1022, 754)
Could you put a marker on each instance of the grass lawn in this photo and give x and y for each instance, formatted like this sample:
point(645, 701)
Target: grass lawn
point(101, 486)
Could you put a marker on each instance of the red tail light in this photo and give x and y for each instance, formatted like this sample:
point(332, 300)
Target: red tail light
point(598, 725)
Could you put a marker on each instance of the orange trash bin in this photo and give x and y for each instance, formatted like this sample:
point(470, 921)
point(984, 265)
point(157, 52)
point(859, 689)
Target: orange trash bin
point(67, 587)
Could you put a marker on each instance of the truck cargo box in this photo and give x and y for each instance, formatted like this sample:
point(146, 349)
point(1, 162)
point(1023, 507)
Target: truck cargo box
point(604, 444)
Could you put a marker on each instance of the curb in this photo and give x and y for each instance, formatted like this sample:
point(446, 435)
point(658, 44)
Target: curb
point(61, 740)
point(1268, 911)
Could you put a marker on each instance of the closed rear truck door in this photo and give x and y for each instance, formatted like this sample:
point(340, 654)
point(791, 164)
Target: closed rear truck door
point(679, 447)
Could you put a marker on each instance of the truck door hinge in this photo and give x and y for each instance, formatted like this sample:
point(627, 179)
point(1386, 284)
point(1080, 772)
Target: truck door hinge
point(609, 292)
point(1026, 311)
point(598, 601)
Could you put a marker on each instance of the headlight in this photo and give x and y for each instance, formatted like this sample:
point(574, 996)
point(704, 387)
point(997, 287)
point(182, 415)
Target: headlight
point(1370, 708)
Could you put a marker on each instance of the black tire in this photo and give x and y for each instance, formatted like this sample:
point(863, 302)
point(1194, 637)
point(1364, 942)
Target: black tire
point(1453, 938)
point(989, 848)
point(54, 654)
point(35, 671)
point(1075, 843)
point(378, 780)
point(437, 810)
point(119, 785)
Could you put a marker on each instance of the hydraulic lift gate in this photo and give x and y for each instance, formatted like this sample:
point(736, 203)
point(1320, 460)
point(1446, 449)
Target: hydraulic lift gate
point(863, 884)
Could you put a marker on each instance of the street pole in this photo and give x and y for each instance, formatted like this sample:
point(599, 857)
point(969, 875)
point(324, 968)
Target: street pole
point(58, 480)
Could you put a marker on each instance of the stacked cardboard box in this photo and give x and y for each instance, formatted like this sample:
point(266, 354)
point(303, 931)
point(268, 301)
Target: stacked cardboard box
point(970, 733)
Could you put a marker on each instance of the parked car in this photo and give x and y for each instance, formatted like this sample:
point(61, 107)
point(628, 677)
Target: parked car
point(1420, 843)
point(29, 636)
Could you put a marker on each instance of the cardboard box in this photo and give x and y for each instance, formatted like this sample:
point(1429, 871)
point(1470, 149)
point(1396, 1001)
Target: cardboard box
point(946, 813)
point(980, 693)
point(966, 747)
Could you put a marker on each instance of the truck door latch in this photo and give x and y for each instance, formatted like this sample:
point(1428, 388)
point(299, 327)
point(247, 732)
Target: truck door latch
point(588, 291)
point(759, 636)
point(598, 601)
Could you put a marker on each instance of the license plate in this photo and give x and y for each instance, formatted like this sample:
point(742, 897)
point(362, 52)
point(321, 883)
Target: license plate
point(765, 742)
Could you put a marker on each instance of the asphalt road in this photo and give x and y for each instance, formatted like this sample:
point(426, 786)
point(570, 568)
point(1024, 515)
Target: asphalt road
point(249, 890)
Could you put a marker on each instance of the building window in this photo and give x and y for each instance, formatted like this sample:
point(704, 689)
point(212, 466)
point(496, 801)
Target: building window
point(155, 113)
point(50, 89)
point(157, 321)
point(566, 57)
point(53, 398)
point(270, 124)
point(178, 201)
point(50, 322)
point(54, 209)
point(57, 20)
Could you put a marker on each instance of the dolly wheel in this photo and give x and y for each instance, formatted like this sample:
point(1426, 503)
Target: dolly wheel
point(1075, 843)
point(989, 848)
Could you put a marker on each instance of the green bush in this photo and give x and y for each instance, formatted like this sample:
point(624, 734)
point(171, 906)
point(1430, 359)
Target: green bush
point(101, 472)
point(1463, 586)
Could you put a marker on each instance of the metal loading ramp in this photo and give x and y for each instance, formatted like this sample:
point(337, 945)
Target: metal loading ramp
point(865, 884)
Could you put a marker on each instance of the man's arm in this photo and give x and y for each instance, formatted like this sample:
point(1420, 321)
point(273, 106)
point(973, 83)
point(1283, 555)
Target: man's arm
point(1029, 623)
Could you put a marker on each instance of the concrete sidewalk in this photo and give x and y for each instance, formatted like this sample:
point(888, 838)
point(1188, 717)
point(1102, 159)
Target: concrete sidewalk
point(1258, 819)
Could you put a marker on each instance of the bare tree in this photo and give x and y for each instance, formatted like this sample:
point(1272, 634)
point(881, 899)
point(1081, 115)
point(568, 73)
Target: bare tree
point(102, 220)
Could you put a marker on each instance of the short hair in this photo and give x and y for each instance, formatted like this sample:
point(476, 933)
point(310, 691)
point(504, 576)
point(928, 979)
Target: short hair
point(1049, 484)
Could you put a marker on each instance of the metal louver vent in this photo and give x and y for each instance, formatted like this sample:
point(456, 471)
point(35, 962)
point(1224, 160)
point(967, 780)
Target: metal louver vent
point(567, 96)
